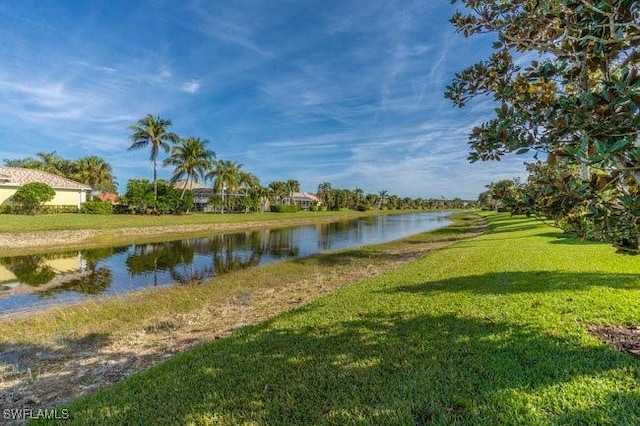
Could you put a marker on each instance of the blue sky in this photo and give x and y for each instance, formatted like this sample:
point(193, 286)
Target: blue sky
point(349, 92)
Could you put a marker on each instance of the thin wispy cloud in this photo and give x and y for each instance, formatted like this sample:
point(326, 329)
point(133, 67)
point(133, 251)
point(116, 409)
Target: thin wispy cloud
point(191, 86)
point(345, 92)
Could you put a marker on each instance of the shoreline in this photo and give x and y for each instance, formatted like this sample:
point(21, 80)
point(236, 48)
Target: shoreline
point(93, 345)
point(31, 241)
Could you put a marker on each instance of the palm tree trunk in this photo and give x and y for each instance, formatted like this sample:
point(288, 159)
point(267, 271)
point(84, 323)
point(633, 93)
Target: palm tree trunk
point(184, 189)
point(155, 183)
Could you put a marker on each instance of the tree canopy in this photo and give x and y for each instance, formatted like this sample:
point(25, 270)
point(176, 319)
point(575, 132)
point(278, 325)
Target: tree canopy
point(578, 99)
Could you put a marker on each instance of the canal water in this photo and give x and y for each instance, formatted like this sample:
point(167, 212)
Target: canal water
point(35, 281)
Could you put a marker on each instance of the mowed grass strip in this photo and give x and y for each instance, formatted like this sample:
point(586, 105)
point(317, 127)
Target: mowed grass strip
point(491, 330)
point(71, 221)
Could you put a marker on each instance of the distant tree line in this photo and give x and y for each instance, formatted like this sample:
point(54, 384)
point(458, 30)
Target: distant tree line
point(233, 190)
point(356, 199)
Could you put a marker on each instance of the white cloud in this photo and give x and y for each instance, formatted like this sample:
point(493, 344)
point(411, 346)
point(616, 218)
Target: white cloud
point(190, 86)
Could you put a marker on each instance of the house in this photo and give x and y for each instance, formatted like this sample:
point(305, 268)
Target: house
point(107, 197)
point(202, 194)
point(304, 200)
point(68, 192)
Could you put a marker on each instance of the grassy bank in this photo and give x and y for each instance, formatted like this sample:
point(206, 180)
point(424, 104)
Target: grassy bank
point(25, 223)
point(50, 356)
point(49, 233)
point(118, 315)
point(491, 330)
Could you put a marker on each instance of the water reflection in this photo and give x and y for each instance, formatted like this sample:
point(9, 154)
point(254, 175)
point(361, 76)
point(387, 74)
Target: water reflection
point(31, 270)
point(27, 281)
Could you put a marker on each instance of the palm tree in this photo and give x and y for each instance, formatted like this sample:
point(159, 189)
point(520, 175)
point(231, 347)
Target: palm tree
point(248, 184)
point(292, 186)
point(227, 178)
point(152, 131)
point(51, 162)
point(95, 172)
point(191, 159)
point(278, 189)
point(324, 193)
point(382, 198)
point(359, 194)
point(262, 194)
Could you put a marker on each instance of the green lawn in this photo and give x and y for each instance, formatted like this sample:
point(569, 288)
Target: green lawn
point(20, 223)
point(491, 330)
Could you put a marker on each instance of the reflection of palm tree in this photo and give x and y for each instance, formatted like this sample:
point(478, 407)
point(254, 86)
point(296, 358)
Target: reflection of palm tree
point(95, 282)
point(235, 251)
point(154, 258)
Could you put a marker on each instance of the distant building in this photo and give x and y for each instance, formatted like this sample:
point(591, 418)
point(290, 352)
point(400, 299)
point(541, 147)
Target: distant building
point(107, 197)
point(304, 200)
point(201, 194)
point(68, 192)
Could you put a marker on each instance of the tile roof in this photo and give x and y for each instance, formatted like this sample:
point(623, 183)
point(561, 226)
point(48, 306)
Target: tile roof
point(108, 196)
point(192, 185)
point(21, 176)
point(305, 195)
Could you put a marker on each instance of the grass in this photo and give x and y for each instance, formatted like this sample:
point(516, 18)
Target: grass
point(491, 330)
point(70, 221)
point(118, 315)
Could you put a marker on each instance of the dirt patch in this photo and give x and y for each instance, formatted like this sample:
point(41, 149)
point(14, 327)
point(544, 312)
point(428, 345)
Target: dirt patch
point(48, 374)
point(625, 339)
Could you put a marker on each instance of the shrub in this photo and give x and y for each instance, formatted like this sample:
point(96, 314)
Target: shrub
point(5, 209)
point(97, 207)
point(49, 209)
point(140, 199)
point(282, 208)
point(31, 197)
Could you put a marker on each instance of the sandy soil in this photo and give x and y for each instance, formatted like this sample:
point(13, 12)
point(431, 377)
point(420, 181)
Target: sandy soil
point(44, 376)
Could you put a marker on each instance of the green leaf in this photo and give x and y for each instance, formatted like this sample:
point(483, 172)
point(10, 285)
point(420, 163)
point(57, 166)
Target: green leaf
point(618, 146)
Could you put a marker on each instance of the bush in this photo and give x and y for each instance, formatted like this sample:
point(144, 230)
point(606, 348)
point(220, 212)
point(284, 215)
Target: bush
point(5, 209)
point(97, 207)
point(31, 197)
point(282, 208)
point(140, 199)
point(48, 209)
